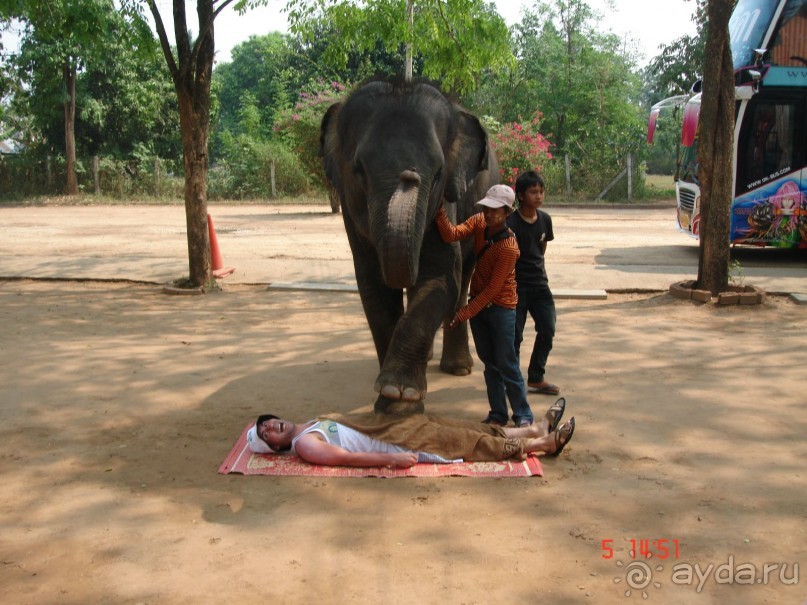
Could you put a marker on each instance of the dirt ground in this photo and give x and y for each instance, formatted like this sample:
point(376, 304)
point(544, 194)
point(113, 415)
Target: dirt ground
point(119, 402)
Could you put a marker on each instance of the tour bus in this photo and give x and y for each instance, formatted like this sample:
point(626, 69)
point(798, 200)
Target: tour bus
point(769, 205)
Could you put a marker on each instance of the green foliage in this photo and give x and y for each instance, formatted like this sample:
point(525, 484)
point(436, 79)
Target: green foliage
point(122, 89)
point(248, 157)
point(308, 63)
point(456, 39)
point(246, 172)
point(21, 176)
point(661, 156)
point(300, 126)
point(269, 100)
point(143, 174)
point(583, 84)
point(736, 273)
point(126, 100)
point(260, 68)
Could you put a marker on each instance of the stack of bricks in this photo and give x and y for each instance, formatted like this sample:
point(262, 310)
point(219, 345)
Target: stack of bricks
point(740, 295)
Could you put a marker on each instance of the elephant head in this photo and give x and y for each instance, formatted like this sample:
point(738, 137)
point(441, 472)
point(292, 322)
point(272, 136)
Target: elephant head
point(391, 152)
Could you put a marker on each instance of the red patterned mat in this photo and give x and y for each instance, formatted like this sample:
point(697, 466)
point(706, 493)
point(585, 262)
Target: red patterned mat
point(242, 460)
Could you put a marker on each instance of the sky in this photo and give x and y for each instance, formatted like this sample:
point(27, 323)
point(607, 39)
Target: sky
point(649, 23)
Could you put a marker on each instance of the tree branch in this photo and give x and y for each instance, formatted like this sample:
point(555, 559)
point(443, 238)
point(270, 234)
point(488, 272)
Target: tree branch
point(163, 36)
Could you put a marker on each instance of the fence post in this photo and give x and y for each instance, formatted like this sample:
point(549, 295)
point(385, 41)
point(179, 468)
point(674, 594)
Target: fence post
point(157, 176)
point(568, 175)
point(630, 176)
point(272, 177)
point(95, 178)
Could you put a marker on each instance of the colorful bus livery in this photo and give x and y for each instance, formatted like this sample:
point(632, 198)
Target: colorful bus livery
point(769, 206)
point(773, 215)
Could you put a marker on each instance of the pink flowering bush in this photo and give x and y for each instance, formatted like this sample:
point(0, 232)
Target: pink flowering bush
point(519, 147)
point(299, 125)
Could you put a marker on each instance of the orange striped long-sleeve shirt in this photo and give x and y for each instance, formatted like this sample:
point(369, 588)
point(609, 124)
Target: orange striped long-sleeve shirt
point(494, 278)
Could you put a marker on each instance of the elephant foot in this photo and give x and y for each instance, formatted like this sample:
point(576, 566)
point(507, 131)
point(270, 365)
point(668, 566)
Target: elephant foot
point(457, 368)
point(402, 386)
point(384, 405)
point(394, 393)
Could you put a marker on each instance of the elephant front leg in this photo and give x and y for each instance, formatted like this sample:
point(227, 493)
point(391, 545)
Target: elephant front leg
point(401, 383)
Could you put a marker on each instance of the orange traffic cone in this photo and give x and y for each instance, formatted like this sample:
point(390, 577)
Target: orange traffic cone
point(216, 261)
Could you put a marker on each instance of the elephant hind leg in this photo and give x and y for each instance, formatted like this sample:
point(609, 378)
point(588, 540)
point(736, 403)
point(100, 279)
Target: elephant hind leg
point(455, 368)
point(456, 358)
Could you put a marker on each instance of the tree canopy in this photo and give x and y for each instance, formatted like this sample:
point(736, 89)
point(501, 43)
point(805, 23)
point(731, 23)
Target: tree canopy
point(455, 38)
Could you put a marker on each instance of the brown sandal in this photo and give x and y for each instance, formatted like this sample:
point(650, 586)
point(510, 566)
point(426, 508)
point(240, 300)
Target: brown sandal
point(565, 430)
point(554, 414)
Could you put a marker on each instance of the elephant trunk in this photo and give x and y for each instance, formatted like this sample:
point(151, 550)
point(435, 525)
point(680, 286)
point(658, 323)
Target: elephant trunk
point(400, 234)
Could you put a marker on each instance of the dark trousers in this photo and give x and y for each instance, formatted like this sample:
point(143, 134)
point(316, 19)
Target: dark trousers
point(540, 305)
point(493, 330)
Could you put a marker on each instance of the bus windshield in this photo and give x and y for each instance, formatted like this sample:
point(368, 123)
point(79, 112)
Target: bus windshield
point(749, 28)
point(748, 25)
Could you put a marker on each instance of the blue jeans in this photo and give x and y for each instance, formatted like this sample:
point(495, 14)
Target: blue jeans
point(540, 304)
point(493, 330)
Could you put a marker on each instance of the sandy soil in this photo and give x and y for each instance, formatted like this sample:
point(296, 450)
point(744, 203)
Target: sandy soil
point(120, 402)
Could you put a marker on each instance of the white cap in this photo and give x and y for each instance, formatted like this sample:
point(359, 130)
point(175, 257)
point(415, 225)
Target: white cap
point(256, 444)
point(499, 196)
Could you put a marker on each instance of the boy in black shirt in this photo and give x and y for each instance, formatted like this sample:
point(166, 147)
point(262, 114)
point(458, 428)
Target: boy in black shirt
point(533, 229)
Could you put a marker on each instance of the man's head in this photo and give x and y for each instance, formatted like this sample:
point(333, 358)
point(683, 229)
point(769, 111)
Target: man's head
point(271, 434)
point(528, 179)
point(530, 190)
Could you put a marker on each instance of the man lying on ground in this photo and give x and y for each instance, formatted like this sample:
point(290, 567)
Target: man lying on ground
point(402, 441)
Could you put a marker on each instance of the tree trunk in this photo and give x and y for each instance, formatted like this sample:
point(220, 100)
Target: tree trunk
point(194, 154)
point(69, 71)
point(191, 74)
point(715, 150)
point(192, 81)
point(96, 177)
point(410, 20)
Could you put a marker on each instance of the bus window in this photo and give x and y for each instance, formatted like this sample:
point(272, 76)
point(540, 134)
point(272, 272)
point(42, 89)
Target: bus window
point(787, 48)
point(767, 137)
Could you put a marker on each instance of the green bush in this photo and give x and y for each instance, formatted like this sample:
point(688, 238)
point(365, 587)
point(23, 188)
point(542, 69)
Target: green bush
point(28, 175)
point(246, 171)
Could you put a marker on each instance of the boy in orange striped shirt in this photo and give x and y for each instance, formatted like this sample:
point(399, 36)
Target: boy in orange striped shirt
point(491, 306)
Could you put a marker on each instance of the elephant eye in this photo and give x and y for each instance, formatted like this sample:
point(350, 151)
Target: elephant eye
point(358, 171)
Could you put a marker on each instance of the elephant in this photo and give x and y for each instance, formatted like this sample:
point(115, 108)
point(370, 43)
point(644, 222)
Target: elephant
point(393, 152)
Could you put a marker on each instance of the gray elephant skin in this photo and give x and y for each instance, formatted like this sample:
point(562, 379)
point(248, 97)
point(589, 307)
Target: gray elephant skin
point(393, 152)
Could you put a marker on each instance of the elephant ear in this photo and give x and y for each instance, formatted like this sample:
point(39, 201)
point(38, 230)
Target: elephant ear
point(328, 142)
point(467, 157)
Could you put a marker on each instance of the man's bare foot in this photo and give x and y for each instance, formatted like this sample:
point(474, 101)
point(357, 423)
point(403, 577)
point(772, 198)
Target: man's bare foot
point(553, 443)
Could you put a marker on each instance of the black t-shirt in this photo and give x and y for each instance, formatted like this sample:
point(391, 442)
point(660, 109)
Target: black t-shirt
point(530, 267)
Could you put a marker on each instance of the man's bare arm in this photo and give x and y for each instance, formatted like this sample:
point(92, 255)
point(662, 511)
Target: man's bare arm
point(313, 449)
